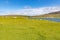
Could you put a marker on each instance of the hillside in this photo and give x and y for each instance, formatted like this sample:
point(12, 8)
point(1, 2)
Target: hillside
point(50, 15)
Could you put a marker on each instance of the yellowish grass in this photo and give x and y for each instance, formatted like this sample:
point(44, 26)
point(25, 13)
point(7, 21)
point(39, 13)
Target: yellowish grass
point(27, 29)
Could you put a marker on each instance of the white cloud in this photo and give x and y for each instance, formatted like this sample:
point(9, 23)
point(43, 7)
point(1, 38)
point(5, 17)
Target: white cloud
point(35, 11)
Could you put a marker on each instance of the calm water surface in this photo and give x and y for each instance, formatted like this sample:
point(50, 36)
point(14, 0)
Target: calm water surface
point(50, 19)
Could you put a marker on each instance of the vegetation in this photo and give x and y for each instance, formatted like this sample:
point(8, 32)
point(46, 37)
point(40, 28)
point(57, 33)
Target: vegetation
point(27, 29)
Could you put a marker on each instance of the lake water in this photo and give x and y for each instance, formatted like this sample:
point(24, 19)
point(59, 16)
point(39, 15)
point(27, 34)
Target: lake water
point(50, 19)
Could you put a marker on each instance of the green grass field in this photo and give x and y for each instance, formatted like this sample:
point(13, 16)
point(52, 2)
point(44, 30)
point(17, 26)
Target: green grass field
point(27, 29)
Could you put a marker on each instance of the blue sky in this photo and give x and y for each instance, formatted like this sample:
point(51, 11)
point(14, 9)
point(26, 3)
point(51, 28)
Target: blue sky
point(12, 5)
point(17, 4)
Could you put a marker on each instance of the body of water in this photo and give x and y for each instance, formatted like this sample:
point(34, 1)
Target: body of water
point(50, 19)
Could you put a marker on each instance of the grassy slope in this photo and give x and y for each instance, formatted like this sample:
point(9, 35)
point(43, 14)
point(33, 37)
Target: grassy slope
point(27, 29)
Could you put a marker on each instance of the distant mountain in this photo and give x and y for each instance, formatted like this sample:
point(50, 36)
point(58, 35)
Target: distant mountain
point(49, 15)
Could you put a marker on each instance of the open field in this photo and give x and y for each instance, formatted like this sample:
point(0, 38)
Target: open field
point(27, 29)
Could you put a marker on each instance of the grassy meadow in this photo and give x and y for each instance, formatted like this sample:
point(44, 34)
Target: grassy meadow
point(22, 28)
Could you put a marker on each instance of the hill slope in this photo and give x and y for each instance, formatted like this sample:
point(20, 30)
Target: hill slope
point(50, 15)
